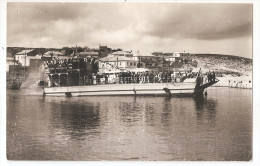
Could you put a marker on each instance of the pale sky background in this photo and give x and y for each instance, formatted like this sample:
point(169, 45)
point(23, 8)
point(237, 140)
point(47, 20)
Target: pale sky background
point(167, 27)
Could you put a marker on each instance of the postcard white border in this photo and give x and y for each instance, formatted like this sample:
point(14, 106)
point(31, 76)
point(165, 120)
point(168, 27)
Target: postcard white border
point(256, 92)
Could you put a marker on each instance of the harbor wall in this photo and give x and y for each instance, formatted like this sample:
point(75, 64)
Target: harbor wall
point(235, 82)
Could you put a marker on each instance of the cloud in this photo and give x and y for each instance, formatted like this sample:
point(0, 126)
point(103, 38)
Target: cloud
point(68, 22)
point(131, 26)
point(201, 21)
point(38, 12)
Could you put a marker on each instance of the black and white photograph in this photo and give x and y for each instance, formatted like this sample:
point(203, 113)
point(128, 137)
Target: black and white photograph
point(128, 81)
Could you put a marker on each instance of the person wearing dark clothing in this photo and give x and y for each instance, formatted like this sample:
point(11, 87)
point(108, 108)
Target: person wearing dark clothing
point(106, 79)
point(214, 76)
point(209, 77)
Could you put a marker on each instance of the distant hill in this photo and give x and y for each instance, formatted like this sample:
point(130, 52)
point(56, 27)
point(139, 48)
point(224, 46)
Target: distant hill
point(11, 51)
point(225, 62)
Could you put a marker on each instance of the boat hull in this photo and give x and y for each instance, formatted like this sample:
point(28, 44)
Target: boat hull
point(157, 89)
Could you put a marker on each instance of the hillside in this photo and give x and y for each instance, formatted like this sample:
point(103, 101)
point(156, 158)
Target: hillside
point(223, 62)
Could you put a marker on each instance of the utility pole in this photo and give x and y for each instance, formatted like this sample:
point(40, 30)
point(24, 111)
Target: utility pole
point(163, 63)
point(25, 65)
point(78, 62)
point(117, 61)
point(139, 65)
point(13, 70)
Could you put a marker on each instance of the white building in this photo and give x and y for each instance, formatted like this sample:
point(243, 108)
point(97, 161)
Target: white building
point(170, 59)
point(176, 54)
point(173, 56)
point(25, 56)
point(113, 64)
point(139, 56)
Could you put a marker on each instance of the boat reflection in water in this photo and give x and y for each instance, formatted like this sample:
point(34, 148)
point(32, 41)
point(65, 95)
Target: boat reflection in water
point(130, 128)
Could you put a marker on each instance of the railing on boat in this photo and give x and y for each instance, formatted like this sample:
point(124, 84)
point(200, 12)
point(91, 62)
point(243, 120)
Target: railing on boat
point(84, 81)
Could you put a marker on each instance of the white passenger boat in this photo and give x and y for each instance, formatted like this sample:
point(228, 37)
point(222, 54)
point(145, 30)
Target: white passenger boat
point(80, 80)
point(189, 87)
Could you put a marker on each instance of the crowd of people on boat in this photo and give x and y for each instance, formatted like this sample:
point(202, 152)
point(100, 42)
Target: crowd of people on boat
point(205, 78)
point(134, 77)
point(124, 77)
point(69, 63)
point(211, 76)
point(131, 78)
point(140, 78)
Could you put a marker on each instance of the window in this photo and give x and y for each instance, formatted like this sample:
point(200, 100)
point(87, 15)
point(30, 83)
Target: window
point(130, 63)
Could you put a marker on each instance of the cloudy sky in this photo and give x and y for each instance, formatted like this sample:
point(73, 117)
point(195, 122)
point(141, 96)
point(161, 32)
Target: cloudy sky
point(167, 27)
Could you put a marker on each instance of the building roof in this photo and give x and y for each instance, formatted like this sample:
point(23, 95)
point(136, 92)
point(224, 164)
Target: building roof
point(24, 52)
point(115, 59)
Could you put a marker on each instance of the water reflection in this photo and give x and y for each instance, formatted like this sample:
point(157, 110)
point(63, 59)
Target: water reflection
point(84, 116)
point(76, 117)
point(166, 112)
point(206, 110)
point(129, 128)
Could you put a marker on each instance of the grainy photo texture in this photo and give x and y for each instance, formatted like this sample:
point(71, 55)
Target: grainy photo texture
point(129, 81)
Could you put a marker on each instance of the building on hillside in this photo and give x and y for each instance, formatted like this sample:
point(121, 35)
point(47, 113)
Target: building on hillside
point(184, 54)
point(173, 57)
point(109, 64)
point(25, 56)
point(138, 56)
point(170, 59)
point(177, 54)
point(146, 58)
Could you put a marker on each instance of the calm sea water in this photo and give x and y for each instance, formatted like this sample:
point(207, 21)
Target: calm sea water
point(216, 127)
